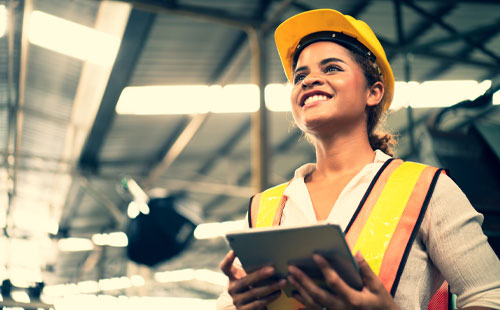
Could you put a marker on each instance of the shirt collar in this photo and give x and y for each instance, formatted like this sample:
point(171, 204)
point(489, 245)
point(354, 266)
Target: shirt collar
point(304, 170)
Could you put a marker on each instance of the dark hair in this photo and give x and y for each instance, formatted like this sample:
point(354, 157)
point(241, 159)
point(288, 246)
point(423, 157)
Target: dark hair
point(375, 115)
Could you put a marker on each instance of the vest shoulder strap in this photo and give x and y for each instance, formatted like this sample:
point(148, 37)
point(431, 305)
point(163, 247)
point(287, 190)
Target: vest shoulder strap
point(273, 200)
point(394, 209)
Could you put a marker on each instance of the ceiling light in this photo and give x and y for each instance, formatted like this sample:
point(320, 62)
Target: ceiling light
point(75, 244)
point(235, 98)
point(115, 239)
point(137, 280)
point(496, 97)
point(204, 275)
point(188, 99)
point(214, 230)
point(72, 39)
point(20, 296)
point(88, 287)
point(278, 97)
point(3, 20)
point(436, 93)
point(133, 210)
point(115, 283)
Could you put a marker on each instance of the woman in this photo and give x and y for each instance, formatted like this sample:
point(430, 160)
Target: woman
point(342, 84)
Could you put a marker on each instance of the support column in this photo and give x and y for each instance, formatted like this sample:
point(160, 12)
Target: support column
point(260, 132)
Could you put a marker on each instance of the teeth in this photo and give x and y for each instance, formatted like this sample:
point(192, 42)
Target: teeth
point(314, 98)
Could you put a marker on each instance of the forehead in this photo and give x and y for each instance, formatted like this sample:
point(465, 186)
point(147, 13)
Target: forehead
point(318, 51)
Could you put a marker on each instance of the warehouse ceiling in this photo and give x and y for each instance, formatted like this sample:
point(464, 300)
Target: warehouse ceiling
point(66, 151)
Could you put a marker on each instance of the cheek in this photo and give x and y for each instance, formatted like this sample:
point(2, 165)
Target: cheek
point(294, 94)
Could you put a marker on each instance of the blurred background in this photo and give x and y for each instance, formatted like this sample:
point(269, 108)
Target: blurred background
point(132, 134)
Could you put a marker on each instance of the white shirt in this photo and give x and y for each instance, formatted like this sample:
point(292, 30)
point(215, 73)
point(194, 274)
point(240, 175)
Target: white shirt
point(449, 245)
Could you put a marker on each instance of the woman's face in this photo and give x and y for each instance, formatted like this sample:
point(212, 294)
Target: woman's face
point(329, 91)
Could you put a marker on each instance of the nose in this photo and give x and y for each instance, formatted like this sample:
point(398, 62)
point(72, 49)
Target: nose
point(312, 80)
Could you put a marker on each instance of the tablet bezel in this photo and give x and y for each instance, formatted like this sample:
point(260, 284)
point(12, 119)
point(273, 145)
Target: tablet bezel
point(278, 247)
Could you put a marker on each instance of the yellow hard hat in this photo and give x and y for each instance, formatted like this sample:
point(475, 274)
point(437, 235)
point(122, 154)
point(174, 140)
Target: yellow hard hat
point(315, 24)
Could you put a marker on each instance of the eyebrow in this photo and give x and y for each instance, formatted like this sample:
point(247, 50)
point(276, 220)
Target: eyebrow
point(322, 63)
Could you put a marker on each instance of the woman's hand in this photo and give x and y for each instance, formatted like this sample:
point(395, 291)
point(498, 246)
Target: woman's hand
point(372, 296)
point(247, 291)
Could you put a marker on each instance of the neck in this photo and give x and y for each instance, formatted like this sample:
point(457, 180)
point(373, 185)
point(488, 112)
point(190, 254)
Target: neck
point(342, 154)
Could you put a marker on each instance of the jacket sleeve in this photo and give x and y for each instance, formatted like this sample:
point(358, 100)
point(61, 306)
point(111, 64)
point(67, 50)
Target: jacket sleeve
point(458, 247)
point(224, 301)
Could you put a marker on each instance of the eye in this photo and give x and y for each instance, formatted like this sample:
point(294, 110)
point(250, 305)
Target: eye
point(298, 77)
point(332, 68)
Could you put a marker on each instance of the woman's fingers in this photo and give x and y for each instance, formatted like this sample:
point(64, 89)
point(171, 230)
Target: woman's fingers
point(312, 295)
point(261, 303)
point(227, 267)
point(260, 295)
point(369, 278)
point(333, 280)
point(251, 291)
point(251, 280)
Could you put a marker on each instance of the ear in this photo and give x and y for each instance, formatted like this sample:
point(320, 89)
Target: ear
point(375, 94)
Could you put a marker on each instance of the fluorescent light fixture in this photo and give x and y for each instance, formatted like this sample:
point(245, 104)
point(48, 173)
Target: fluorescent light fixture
point(78, 302)
point(59, 290)
point(436, 93)
point(20, 296)
point(3, 20)
point(214, 230)
point(496, 97)
point(72, 39)
point(278, 97)
point(185, 99)
point(188, 99)
point(88, 287)
point(114, 239)
point(34, 219)
point(115, 283)
point(137, 280)
point(140, 202)
point(22, 276)
point(133, 210)
point(209, 276)
point(204, 275)
point(235, 98)
point(75, 245)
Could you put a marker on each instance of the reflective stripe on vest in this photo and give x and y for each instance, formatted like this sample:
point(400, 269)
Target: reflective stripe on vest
point(393, 207)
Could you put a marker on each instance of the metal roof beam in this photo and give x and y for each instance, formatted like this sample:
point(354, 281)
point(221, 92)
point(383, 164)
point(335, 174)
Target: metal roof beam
point(17, 63)
point(136, 33)
point(463, 54)
point(389, 46)
point(169, 142)
point(438, 20)
point(493, 28)
point(205, 13)
point(237, 45)
point(409, 43)
point(177, 147)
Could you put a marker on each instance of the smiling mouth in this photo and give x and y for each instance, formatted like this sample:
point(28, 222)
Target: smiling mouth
point(311, 99)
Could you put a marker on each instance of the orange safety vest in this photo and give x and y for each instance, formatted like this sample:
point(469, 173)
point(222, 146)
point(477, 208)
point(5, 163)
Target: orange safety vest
point(393, 207)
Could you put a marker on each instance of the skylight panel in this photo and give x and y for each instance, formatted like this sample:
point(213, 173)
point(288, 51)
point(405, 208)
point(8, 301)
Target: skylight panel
point(72, 39)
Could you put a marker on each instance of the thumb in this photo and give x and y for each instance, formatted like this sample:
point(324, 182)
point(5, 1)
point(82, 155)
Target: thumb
point(369, 277)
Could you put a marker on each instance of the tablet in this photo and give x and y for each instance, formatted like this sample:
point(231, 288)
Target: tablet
point(282, 246)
